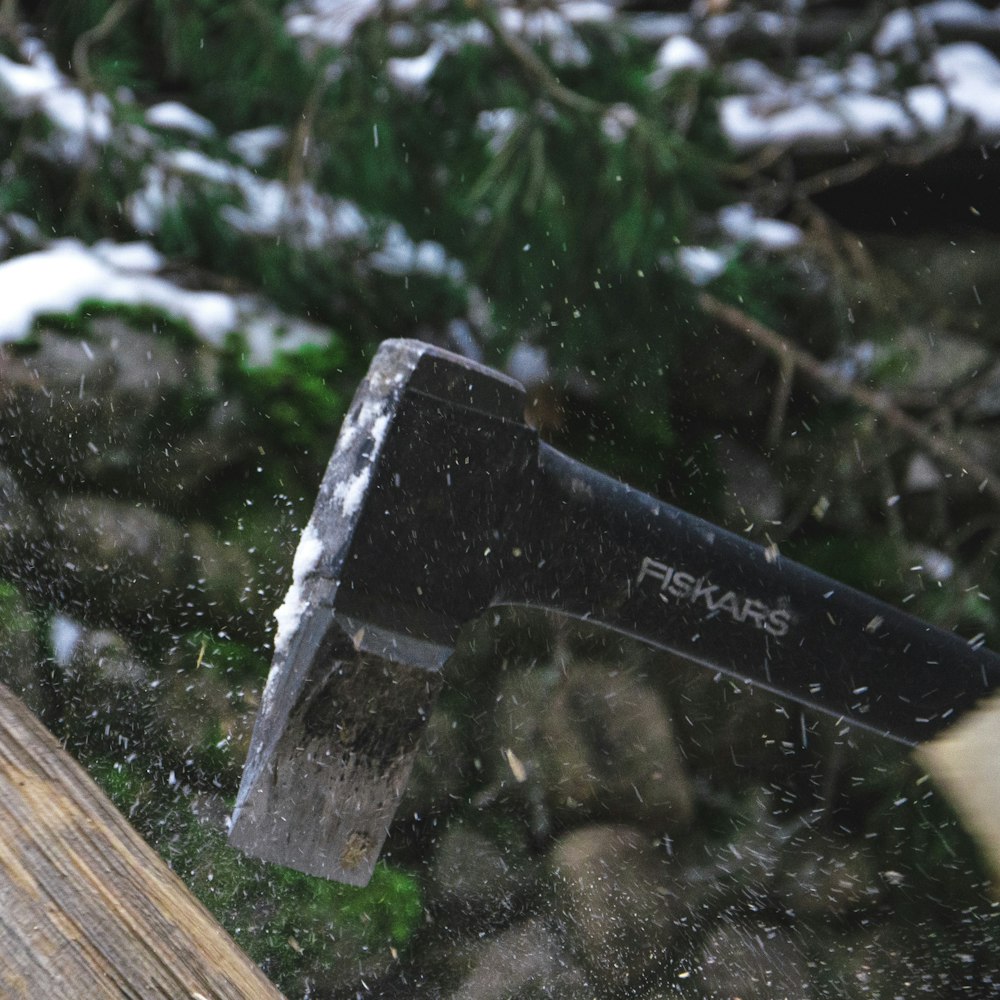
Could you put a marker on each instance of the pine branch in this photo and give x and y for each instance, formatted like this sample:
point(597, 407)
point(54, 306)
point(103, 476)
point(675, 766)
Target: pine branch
point(878, 403)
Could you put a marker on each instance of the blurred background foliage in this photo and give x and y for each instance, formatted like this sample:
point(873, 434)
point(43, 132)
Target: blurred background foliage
point(545, 192)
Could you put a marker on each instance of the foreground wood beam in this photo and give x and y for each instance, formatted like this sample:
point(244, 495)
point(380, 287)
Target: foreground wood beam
point(87, 908)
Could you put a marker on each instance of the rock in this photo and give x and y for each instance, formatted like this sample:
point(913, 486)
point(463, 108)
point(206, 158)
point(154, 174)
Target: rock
point(952, 286)
point(933, 361)
point(135, 561)
point(20, 527)
point(474, 883)
point(441, 770)
point(597, 741)
point(99, 407)
point(744, 962)
point(752, 493)
point(194, 708)
point(103, 682)
point(523, 963)
point(21, 663)
point(620, 901)
point(823, 876)
point(218, 572)
point(733, 735)
point(110, 552)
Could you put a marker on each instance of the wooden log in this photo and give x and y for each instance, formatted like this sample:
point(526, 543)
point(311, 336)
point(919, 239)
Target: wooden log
point(87, 908)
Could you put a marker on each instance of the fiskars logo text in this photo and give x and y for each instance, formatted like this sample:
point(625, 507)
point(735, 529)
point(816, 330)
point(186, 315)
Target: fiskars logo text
point(675, 583)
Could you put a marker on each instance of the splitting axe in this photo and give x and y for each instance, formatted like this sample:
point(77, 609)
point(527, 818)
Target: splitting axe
point(439, 502)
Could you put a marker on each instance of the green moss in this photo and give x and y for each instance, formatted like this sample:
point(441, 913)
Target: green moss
point(237, 661)
point(142, 317)
point(287, 920)
point(126, 784)
point(298, 400)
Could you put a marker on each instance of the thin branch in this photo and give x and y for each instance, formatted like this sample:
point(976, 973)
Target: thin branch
point(877, 403)
point(530, 61)
point(844, 174)
point(113, 16)
point(302, 136)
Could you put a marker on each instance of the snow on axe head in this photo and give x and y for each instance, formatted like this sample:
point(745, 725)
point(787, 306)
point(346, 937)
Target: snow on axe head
point(400, 552)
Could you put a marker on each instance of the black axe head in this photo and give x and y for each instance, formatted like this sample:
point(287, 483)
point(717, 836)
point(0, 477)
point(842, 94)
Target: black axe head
point(402, 549)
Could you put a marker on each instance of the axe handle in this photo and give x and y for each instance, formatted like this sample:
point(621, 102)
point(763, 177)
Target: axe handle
point(594, 548)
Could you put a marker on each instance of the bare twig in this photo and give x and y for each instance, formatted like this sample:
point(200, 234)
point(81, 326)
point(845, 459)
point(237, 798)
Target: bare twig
point(877, 403)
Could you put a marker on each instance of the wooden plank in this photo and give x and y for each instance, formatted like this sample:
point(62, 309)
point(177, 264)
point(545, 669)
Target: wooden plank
point(87, 908)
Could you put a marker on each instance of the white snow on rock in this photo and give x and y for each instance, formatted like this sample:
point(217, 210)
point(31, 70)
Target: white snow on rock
point(529, 364)
point(178, 117)
point(970, 77)
point(896, 33)
point(400, 255)
point(588, 11)
point(288, 615)
point(68, 273)
point(328, 22)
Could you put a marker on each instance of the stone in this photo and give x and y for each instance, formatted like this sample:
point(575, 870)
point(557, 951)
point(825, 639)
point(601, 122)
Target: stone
point(441, 769)
point(597, 741)
point(92, 407)
point(475, 883)
point(111, 552)
point(20, 527)
point(622, 903)
point(523, 962)
point(195, 709)
point(821, 875)
point(218, 572)
point(21, 662)
point(753, 962)
point(103, 683)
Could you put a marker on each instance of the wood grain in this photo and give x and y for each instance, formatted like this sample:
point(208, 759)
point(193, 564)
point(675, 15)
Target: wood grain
point(87, 908)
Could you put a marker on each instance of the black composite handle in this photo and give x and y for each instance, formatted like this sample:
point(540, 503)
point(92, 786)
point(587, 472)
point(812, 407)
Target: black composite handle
point(594, 548)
